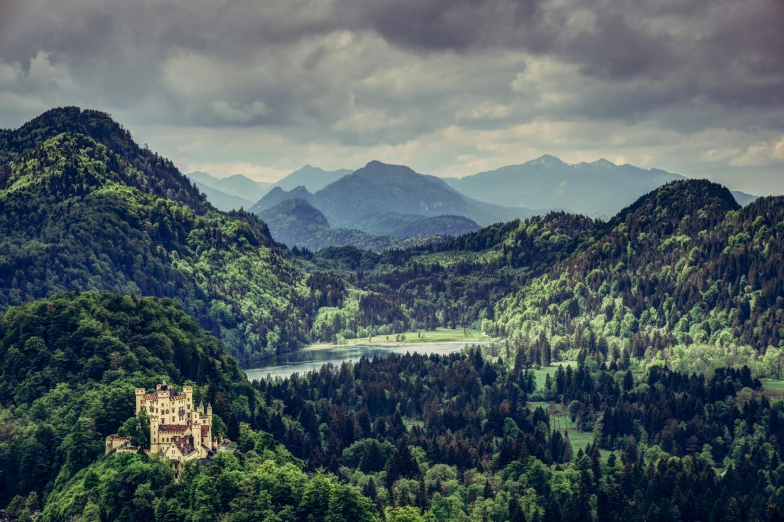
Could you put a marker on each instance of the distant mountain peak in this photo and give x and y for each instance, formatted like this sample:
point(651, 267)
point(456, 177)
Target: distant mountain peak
point(312, 178)
point(601, 162)
point(547, 160)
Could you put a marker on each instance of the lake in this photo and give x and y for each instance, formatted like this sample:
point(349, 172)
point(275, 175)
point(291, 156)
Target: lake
point(304, 361)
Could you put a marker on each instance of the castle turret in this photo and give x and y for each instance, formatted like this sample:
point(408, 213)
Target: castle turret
point(188, 391)
point(209, 410)
point(140, 392)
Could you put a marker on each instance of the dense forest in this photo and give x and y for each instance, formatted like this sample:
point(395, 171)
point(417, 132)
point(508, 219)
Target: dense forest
point(658, 327)
point(84, 208)
point(402, 438)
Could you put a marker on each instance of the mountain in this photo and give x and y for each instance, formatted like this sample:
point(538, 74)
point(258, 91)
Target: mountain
point(744, 199)
point(412, 225)
point(379, 188)
point(237, 185)
point(221, 200)
point(684, 264)
point(295, 223)
point(277, 195)
point(312, 178)
point(63, 130)
point(82, 207)
point(380, 200)
point(600, 188)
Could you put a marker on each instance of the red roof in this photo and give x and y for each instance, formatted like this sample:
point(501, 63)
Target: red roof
point(205, 431)
point(173, 428)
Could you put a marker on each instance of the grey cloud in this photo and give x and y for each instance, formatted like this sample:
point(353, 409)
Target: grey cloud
point(364, 73)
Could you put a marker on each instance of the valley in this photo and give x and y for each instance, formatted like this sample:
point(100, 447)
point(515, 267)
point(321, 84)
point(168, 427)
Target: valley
point(487, 362)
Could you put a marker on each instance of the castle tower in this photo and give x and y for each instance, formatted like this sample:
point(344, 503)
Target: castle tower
point(188, 391)
point(154, 442)
point(140, 393)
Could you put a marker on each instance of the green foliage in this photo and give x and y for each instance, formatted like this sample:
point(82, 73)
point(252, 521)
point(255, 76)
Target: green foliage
point(69, 366)
point(85, 209)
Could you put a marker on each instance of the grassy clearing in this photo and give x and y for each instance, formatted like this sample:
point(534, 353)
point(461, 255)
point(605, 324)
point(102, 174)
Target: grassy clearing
point(579, 439)
point(541, 373)
point(439, 335)
point(773, 384)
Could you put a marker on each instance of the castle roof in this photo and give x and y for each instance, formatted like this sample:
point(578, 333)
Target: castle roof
point(205, 431)
point(165, 393)
point(174, 428)
point(184, 446)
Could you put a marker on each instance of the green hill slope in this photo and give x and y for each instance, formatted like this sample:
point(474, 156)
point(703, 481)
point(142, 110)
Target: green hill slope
point(79, 214)
point(68, 369)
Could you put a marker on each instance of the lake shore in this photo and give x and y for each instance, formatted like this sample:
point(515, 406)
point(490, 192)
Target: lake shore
point(438, 336)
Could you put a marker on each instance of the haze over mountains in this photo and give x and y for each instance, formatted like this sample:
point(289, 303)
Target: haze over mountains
point(600, 188)
point(239, 191)
point(683, 280)
point(379, 199)
point(379, 192)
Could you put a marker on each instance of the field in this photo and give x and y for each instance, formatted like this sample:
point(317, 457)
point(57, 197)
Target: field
point(579, 439)
point(439, 335)
point(541, 373)
point(775, 385)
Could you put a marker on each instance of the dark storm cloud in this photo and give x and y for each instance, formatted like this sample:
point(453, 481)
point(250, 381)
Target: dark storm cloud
point(364, 73)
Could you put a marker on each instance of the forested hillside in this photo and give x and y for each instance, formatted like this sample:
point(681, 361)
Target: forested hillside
point(406, 438)
point(82, 208)
point(458, 281)
point(70, 365)
point(68, 369)
point(685, 265)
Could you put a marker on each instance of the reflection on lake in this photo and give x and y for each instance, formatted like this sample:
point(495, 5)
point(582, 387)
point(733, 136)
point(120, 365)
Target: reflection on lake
point(304, 361)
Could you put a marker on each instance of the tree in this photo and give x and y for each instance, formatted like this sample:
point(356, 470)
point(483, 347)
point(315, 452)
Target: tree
point(516, 513)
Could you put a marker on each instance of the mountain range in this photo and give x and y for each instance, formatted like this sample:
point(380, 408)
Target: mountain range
point(116, 273)
point(83, 207)
point(386, 200)
point(600, 188)
point(296, 223)
point(239, 191)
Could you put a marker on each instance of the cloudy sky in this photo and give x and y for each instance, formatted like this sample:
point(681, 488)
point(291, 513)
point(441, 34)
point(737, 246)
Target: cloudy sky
point(448, 87)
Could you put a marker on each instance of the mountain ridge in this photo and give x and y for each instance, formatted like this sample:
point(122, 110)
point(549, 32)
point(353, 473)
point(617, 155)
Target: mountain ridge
point(599, 188)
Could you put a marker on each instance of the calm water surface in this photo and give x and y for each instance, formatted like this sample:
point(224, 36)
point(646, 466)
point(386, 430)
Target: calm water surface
point(306, 360)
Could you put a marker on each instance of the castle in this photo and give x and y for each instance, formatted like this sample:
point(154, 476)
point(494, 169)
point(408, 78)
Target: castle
point(178, 431)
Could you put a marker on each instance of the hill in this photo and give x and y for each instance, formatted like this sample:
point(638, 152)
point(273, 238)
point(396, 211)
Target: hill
point(295, 223)
point(76, 360)
point(277, 196)
point(81, 214)
point(141, 168)
point(237, 185)
point(600, 188)
point(312, 178)
point(685, 260)
point(744, 199)
point(684, 265)
point(379, 188)
point(221, 200)
point(412, 225)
